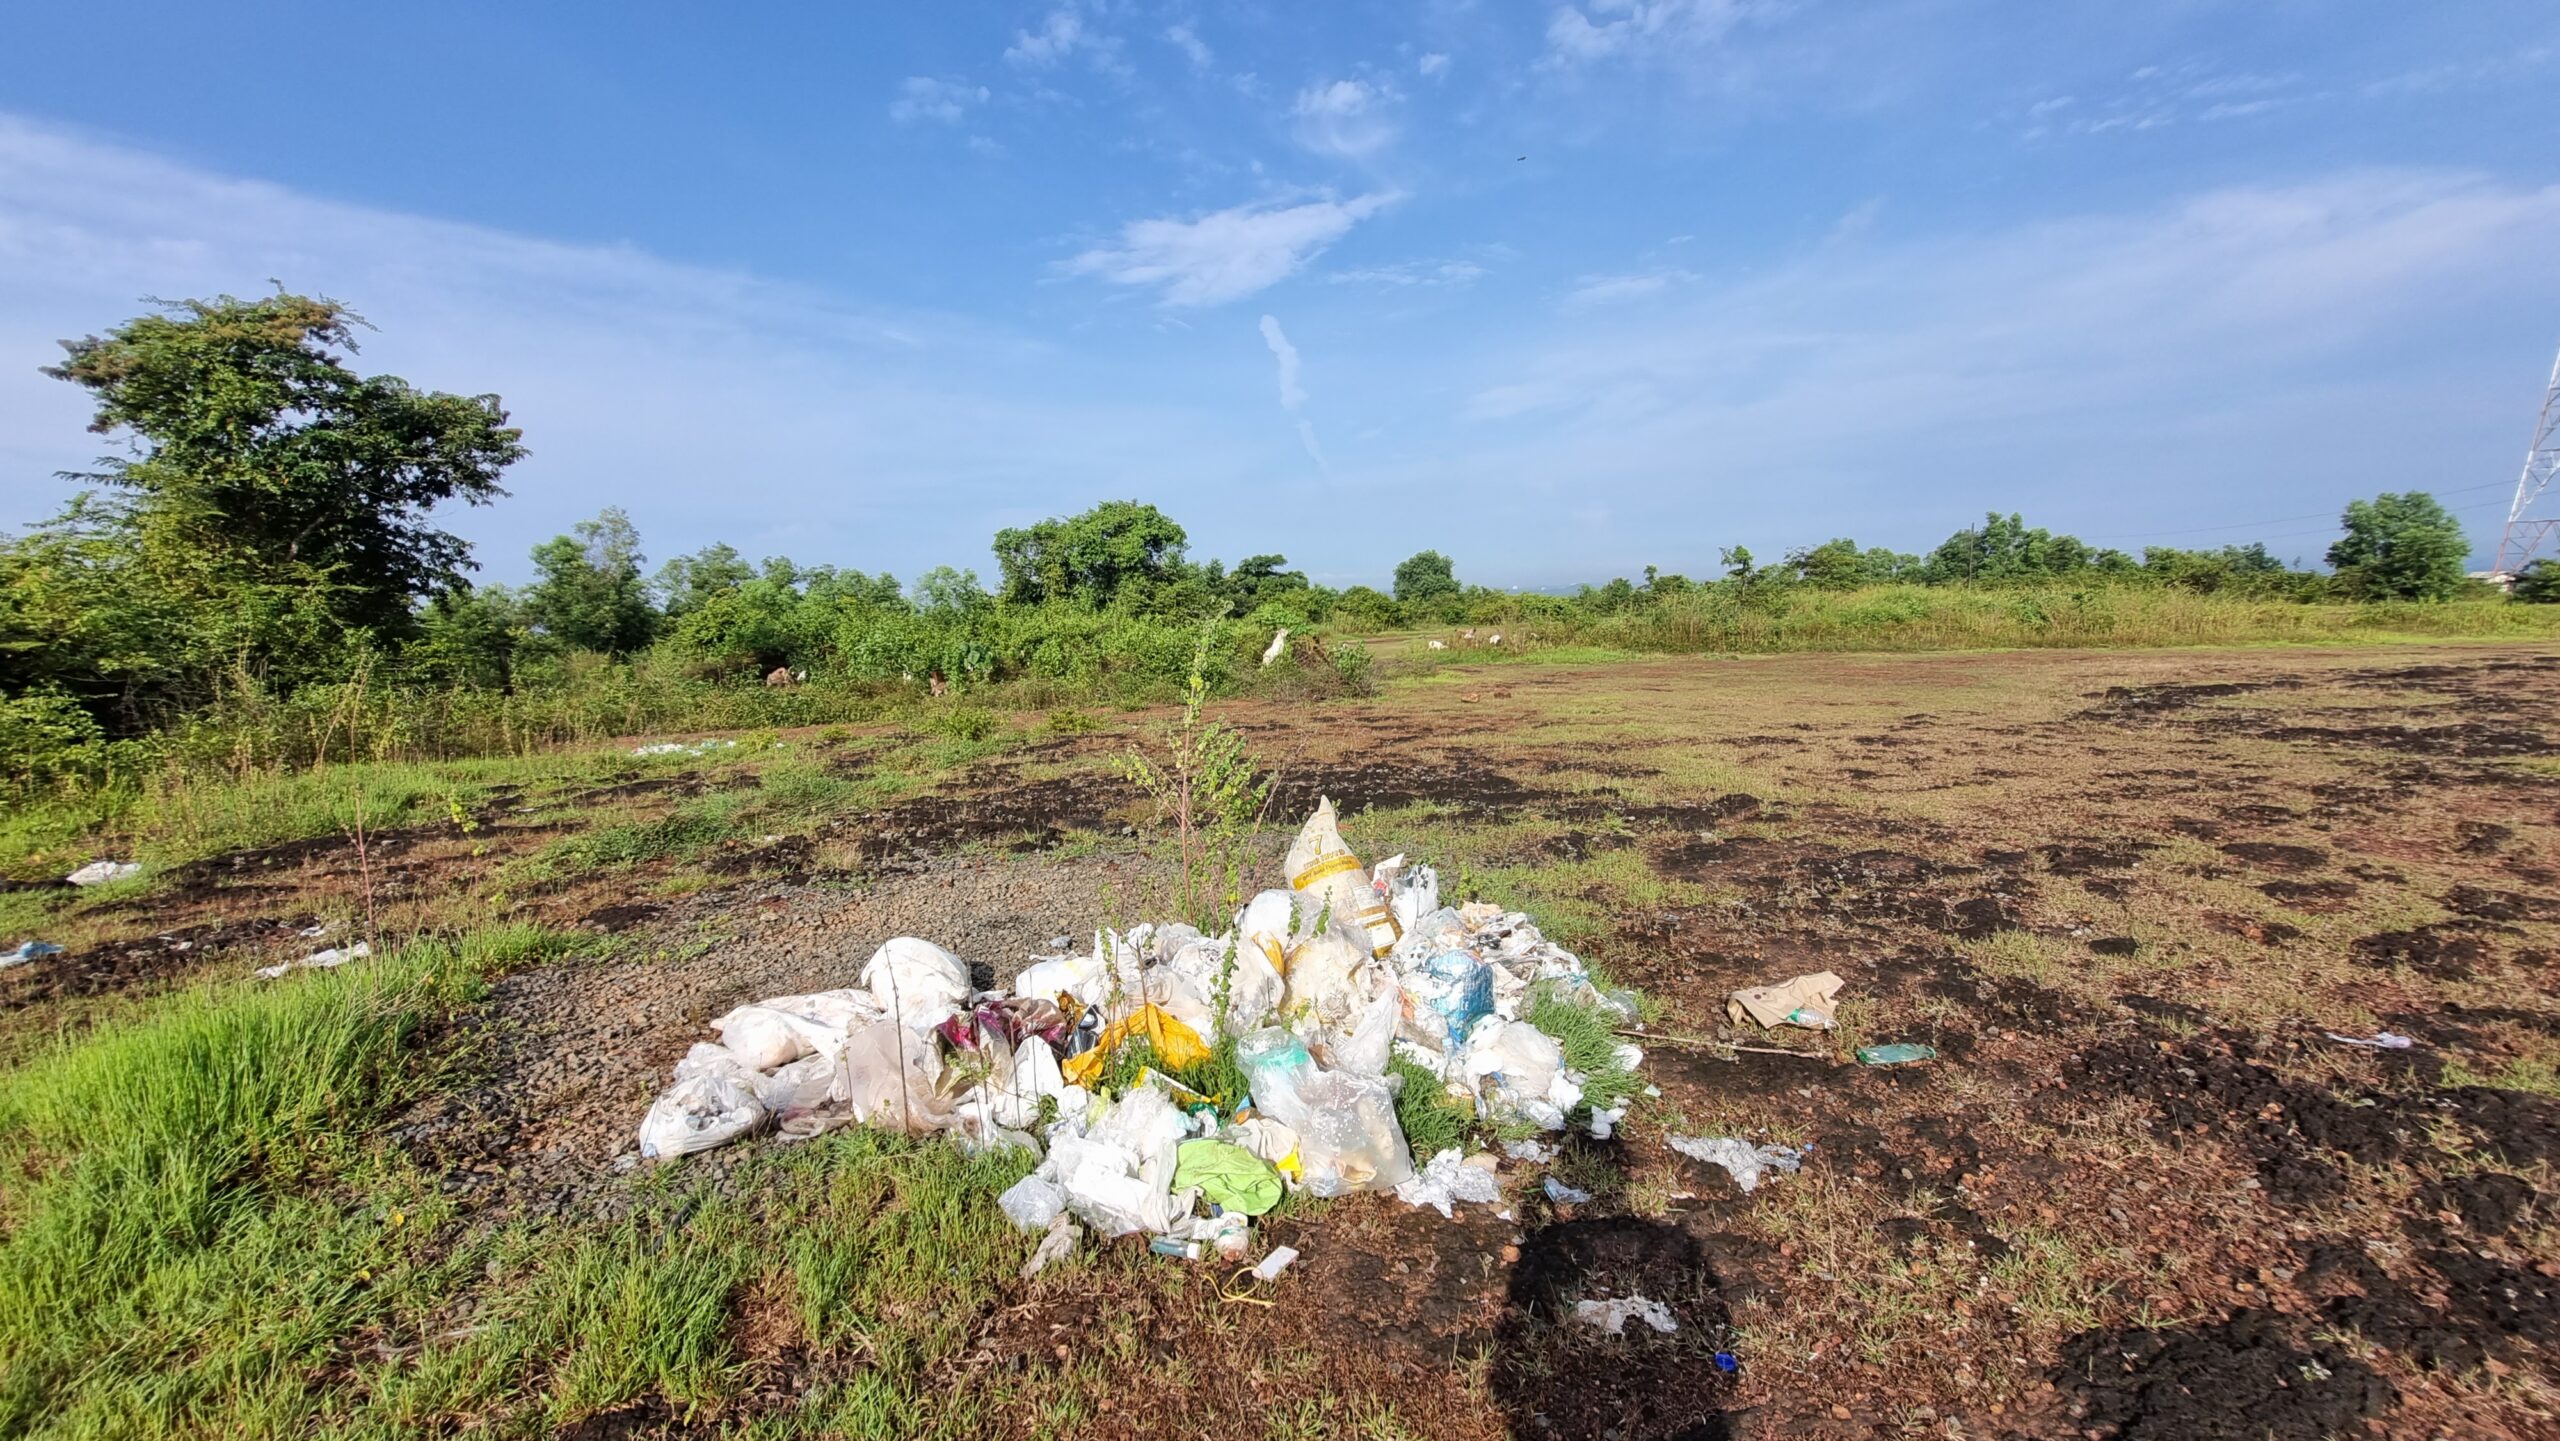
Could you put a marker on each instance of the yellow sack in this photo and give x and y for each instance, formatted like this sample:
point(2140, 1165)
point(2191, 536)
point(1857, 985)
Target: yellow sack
point(1175, 1044)
point(1325, 869)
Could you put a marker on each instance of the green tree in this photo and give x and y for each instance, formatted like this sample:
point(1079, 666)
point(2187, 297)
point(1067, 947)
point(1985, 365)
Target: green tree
point(2538, 583)
point(945, 590)
point(590, 595)
point(258, 458)
point(689, 581)
point(1426, 579)
point(1119, 552)
point(2400, 547)
point(469, 637)
point(1260, 580)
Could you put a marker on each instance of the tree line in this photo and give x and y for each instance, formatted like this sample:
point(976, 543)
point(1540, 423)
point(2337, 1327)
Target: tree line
point(266, 524)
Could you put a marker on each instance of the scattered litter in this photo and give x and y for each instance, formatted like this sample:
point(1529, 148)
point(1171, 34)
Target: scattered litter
point(1270, 1267)
point(98, 873)
point(1804, 1001)
point(1450, 1178)
point(1746, 1161)
point(328, 960)
point(1900, 1053)
point(679, 748)
point(1727, 1362)
point(313, 932)
point(1537, 1152)
point(1055, 1246)
point(28, 951)
point(1097, 1060)
point(2379, 1040)
point(1613, 1316)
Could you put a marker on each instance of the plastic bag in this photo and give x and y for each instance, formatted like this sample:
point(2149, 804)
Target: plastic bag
point(1269, 925)
point(1033, 1202)
point(1517, 1057)
point(1444, 997)
point(886, 1078)
point(1364, 1050)
point(1229, 1176)
point(1330, 977)
point(1348, 1139)
point(1449, 1179)
point(782, 1029)
point(712, 1103)
point(1322, 868)
point(1079, 976)
point(1174, 1043)
point(916, 981)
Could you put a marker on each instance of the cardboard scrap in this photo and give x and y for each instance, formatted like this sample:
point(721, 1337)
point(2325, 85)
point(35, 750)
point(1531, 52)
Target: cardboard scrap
point(1804, 1001)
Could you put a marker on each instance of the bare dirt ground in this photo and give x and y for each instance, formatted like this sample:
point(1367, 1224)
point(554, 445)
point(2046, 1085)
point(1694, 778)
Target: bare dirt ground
point(2140, 1193)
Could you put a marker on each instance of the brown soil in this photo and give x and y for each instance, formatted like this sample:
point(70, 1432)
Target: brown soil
point(2138, 1194)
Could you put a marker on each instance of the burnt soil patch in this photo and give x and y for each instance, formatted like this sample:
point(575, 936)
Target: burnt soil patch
point(145, 961)
point(2251, 1377)
point(1557, 1376)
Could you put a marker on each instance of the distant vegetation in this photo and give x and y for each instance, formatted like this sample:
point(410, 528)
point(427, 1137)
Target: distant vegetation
point(254, 583)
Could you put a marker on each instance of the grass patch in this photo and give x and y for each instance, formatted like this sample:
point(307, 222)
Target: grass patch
point(1590, 1041)
point(1432, 1120)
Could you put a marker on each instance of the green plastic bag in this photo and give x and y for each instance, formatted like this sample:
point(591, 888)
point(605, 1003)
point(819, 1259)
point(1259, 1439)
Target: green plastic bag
point(1897, 1054)
point(1230, 1175)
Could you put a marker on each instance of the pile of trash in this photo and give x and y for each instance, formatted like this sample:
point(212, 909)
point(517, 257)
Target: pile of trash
point(1111, 1065)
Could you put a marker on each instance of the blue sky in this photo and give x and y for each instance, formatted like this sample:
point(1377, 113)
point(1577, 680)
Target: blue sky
point(1561, 289)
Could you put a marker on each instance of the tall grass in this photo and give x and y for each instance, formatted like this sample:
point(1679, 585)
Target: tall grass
point(173, 1246)
point(1923, 618)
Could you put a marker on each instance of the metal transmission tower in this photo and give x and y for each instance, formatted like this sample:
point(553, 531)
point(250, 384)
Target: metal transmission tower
point(2526, 530)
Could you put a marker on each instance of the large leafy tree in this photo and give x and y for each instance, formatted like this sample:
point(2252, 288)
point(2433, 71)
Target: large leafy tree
point(1426, 577)
point(257, 458)
point(1119, 552)
point(589, 595)
point(2400, 547)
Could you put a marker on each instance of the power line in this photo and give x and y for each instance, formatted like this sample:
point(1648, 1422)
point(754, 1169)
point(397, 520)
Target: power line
point(2289, 519)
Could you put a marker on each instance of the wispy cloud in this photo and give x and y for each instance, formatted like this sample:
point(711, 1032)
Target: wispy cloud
point(1645, 29)
point(1596, 290)
point(1056, 39)
point(1227, 254)
point(611, 359)
point(1186, 40)
point(1293, 397)
point(1450, 273)
point(923, 98)
point(1348, 118)
point(1432, 66)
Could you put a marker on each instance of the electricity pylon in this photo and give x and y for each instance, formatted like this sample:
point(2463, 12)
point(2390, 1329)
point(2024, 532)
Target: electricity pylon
point(2530, 521)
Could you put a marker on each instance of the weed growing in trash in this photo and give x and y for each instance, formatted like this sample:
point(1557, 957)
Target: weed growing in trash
point(1207, 783)
point(1433, 1120)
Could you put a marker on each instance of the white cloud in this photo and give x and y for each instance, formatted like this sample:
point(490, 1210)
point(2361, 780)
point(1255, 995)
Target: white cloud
point(1433, 65)
point(1307, 438)
point(1645, 28)
point(1184, 39)
point(921, 97)
point(1345, 117)
point(712, 403)
point(1593, 290)
point(1291, 394)
point(1056, 39)
point(1451, 273)
point(1227, 254)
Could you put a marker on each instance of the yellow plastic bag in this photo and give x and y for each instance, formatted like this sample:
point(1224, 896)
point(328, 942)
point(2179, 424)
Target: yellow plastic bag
point(1176, 1045)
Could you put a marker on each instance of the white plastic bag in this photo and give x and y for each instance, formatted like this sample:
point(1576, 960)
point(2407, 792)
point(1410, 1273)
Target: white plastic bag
point(1033, 1202)
point(916, 980)
point(1364, 1050)
point(712, 1103)
point(1079, 976)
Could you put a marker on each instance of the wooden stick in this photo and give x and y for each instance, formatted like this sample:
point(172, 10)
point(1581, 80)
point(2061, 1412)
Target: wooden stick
point(1722, 1045)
